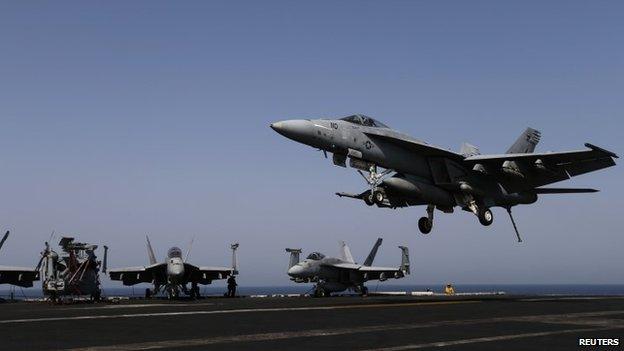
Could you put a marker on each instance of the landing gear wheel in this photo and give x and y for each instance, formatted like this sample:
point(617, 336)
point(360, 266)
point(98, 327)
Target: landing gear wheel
point(369, 199)
point(320, 292)
point(425, 225)
point(378, 197)
point(364, 291)
point(486, 217)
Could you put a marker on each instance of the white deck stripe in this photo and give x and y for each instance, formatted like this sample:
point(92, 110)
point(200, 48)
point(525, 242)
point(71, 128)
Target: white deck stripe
point(563, 319)
point(486, 339)
point(245, 310)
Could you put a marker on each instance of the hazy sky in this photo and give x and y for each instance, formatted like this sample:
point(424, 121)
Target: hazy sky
point(120, 119)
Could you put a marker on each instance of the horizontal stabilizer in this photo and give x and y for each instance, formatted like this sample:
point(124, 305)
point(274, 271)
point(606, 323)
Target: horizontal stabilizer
point(564, 190)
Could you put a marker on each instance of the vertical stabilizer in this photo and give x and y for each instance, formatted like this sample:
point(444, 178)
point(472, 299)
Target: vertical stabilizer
point(371, 256)
point(405, 263)
point(345, 252)
point(234, 247)
point(150, 252)
point(294, 256)
point(526, 142)
point(188, 252)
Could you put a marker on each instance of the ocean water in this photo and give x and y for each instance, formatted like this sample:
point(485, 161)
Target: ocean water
point(510, 289)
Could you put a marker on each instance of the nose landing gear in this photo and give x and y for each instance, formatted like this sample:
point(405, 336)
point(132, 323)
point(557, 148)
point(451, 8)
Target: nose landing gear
point(376, 196)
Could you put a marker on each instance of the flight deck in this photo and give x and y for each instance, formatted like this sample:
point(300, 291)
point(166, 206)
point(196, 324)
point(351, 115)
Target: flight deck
point(389, 323)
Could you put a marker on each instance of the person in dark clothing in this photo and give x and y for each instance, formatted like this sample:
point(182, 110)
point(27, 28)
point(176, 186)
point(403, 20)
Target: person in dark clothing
point(231, 284)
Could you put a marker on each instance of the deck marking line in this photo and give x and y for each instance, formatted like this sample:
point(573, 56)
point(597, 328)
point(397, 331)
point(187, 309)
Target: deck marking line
point(487, 339)
point(244, 310)
point(597, 325)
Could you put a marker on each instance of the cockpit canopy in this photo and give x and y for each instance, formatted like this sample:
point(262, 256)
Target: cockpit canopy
point(174, 252)
point(364, 121)
point(315, 256)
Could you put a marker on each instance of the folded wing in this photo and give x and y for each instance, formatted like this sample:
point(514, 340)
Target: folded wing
point(19, 276)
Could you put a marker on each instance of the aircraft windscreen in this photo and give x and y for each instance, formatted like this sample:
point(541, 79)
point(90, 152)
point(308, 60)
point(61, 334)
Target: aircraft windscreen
point(364, 121)
point(315, 256)
point(174, 252)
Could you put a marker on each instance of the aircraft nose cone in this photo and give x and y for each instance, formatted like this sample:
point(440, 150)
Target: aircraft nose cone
point(277, 126)
point(297, 129)
point(295, 271)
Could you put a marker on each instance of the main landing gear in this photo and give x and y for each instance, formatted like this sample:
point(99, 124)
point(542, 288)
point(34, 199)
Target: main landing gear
point(485, 216)
point(425, 224)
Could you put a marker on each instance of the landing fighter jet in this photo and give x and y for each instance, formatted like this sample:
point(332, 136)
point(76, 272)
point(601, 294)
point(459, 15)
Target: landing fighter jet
point(19, 276)
point(174, 273)
point(402, 171)
point(333, 274)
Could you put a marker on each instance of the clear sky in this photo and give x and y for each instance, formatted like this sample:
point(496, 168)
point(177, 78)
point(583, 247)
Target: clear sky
point(120, 119)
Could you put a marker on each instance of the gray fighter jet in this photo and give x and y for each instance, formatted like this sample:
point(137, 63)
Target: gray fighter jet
point(402, 171)
point(174, 274)
point(333, 274)
point(19, 276)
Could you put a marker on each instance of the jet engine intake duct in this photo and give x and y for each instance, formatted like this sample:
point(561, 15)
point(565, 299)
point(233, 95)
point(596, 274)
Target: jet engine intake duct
point(413, 188)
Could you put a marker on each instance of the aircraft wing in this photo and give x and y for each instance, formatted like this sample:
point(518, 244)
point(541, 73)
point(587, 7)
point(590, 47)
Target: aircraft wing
point(547, 168)
point(414, 145)
point(206, 274)
point(372, 273)
point(20, 276)
point(155, 273)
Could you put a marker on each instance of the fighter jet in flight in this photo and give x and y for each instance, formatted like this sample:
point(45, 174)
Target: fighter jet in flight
point(174, 274)
point(333, 274)
point(402, 171)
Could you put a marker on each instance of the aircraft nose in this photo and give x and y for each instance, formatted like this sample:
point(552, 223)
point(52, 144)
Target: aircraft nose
point(295, 129)
point(295, 270)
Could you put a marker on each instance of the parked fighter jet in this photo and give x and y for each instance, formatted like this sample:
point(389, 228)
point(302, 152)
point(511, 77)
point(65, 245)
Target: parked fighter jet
point(19, 276)
point(174, 273)
point(403, 171)
point(338, 274)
